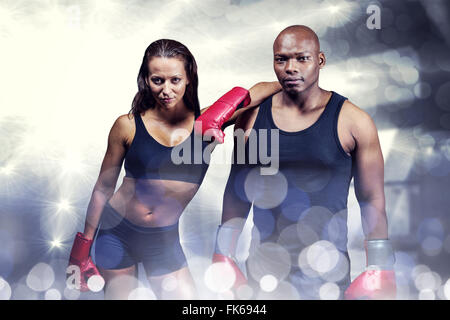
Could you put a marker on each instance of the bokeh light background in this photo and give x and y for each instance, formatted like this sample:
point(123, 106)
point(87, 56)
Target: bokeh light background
point(68, 69)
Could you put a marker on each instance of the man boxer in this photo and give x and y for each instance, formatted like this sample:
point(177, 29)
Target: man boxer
point(324, 141)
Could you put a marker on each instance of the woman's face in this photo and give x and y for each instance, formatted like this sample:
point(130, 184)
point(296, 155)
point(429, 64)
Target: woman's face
point(167, 80)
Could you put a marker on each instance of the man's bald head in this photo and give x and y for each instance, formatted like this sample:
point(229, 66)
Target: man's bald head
point(297, 33)
point(297, 59)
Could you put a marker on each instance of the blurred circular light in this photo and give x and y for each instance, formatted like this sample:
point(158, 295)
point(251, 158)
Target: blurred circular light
point(426, 294)
point(437, 280)
point(244, 292)
point(322, 256)
point(410, 75)
point(5, 289)
point(422, 90)
point(289, 240)
point(23, 292)
point(169, 283)
point(295, 203)
point(426, 140)
point(425, 280)
point(329, 291)
point(52, 294)
point(219, 277)
point(284, 291)
point(337, 230)
point(71, 294)
point(313, 224)
point(419, 269)
point(403, 292)
point(266, 191)
point(430, 227)
point(431, 245)
point(268, 283)
point(392, 93)
point(304, 264)
point(269, 258)
point(40, 277)
point(96, 283)
point(353, 63)
point(447, 289)
point(418, 131)
point(339, 272)
point(391, 57)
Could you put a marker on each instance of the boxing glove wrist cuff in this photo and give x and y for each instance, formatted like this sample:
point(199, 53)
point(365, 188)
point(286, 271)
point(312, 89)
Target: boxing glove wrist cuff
point(380, 254)
point(226, 240)
point(81, 248)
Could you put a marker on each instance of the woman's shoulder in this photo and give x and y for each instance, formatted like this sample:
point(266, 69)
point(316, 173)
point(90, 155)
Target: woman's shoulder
point(124, 126)
point(125, 122)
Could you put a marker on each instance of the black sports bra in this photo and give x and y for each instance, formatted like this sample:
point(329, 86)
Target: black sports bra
point(146, 158)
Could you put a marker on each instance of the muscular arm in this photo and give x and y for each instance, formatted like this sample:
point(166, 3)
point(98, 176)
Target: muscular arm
point(369, 176)
point(235, 202)
point(109, 172)
point(258, 93)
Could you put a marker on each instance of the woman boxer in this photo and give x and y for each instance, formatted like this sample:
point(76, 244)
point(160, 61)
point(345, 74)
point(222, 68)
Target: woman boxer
point(139, 222)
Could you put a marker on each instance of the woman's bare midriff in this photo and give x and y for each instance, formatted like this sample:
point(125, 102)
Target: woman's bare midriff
point(152, 203)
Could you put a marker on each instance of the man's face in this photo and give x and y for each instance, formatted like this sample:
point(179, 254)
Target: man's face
point(297, 62)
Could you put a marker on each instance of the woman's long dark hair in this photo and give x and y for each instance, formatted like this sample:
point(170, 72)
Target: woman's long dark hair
point(143, 100)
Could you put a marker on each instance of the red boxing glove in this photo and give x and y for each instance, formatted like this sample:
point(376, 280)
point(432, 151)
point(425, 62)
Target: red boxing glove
point(211, 121)
point(378, 281)
point(373, 285)
point(240, 277)
point(80, 256)
point(227, 237)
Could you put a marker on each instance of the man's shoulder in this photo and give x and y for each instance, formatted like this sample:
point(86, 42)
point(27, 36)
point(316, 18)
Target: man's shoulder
point(354, 113)
point(357, 120)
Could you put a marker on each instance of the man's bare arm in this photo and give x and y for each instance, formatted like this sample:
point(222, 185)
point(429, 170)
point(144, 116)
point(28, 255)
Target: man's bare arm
point(369, 176)
point(258, 93)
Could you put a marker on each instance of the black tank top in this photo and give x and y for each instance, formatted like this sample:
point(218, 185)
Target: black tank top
point(310, 189)
point(146, 158)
